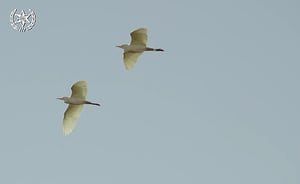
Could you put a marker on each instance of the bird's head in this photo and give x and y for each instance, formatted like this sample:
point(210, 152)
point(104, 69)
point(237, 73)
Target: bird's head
point(123, 46)
point(61, 98)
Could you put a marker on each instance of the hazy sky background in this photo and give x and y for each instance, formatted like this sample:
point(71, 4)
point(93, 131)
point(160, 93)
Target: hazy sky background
point(219, 106)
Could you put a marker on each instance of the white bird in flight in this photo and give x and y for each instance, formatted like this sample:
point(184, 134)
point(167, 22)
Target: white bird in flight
point(76, 101)
point(137, 46)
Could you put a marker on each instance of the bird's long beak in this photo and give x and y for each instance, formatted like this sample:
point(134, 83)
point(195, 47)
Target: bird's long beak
point(118, 46)
point(59, 98)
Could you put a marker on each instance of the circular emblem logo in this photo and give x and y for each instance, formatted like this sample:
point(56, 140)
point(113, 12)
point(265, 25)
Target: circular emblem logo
point(22, 21)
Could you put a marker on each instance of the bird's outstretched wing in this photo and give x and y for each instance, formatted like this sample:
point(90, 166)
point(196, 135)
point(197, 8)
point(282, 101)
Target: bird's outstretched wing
point(130, 59)
point(79, 89)
point(70, 118)
point(139, 37)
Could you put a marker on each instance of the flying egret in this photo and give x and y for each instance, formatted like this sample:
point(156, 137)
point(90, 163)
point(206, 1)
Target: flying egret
point(76, 101)
point(137, 46)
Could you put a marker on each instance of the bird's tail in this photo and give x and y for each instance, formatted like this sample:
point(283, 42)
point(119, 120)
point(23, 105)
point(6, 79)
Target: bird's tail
point(152, 49)
point(91, 103)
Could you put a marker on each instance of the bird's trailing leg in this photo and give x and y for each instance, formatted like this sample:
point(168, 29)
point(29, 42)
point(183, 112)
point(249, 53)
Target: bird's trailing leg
point(91, 103)
point(152, 49)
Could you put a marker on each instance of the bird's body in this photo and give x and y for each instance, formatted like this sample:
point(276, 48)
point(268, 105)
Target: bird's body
point(76, 101)
point(136, 47)
point(133, 48)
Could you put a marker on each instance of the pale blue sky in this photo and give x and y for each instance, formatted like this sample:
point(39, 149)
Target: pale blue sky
point(219, 106)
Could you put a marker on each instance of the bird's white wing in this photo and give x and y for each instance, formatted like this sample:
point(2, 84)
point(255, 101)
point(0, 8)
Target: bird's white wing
point(139, 37)
point(70, 118)
point(130, 59)
point(79, 90)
